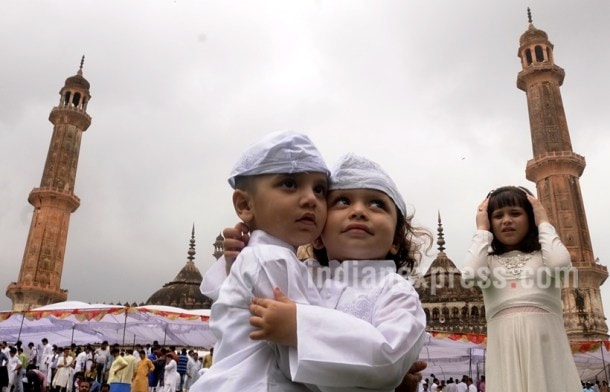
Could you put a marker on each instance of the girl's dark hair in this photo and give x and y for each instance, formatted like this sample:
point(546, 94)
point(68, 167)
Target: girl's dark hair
point(410, 247)
point(509, 196)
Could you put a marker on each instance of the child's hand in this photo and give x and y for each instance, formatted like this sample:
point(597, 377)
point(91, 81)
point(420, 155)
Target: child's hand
point(482, 217)
point(411, 381)
point(275, 319)
point(235, 239)
point(540, 215)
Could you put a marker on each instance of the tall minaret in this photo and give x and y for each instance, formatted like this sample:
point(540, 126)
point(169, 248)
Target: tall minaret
point(556, 170)
point(54, 201)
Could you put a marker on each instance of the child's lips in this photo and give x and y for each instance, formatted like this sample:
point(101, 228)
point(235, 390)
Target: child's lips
point(357, 227)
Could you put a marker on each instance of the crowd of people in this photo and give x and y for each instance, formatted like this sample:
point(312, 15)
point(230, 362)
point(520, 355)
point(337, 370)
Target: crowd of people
point(98, 368)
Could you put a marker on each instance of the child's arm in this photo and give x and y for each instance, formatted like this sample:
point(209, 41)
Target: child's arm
point(235, 238)
point(476, 265)
point(554, 253)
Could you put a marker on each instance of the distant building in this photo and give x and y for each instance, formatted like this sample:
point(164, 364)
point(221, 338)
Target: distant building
point(183, 292)
point(450, 306)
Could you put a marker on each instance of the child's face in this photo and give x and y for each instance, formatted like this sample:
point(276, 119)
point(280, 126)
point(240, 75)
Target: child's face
point(291, 207)
point(360, 225)
point(509, 226)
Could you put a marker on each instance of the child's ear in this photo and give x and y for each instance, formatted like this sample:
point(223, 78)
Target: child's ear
point(242, 203)
point(318, 244)
point(395, 246)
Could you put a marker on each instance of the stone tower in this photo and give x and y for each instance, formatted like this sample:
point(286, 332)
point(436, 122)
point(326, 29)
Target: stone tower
point(556, 170)
point(54, 201)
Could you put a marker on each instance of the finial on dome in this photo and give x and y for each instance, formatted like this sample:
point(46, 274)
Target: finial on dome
point(529, 15)
point(80, 69)
point(441, 239)
point(191, 252)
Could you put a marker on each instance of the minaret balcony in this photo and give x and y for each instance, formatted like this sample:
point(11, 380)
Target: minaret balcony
point(555, 163)
point(54, 197)
point(538, 71)
point(70, 114)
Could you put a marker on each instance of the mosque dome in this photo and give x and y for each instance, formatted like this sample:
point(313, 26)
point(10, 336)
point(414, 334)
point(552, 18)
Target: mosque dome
point(532, 34)
point(183, 292)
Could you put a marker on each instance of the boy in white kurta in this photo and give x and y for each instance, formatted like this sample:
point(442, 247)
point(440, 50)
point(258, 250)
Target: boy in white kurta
point(280, 188)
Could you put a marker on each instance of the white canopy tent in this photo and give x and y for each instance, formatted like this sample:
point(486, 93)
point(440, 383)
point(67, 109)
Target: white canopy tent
point(77, 322)
point(447, 355)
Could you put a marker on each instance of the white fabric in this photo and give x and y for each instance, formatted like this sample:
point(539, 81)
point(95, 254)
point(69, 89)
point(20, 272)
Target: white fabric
point(353, 171)
point(526, 351)
point(213, 278)
point(171, 377)
point(279, 152)
point(264, 264)
point(375, 348)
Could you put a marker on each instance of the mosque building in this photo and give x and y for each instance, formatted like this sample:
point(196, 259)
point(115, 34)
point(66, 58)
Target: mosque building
point(555, 169)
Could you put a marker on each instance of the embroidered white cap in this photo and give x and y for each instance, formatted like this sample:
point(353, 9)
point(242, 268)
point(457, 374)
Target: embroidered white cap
point(353, 171)
point(284, 152)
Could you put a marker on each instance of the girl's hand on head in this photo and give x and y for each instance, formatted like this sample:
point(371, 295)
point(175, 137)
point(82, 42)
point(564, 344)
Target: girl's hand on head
point(540, 215)
point(236, 238)
point(275, 319)
point(482, 217)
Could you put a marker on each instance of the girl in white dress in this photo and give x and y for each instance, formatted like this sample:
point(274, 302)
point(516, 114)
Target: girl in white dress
point(519, 261)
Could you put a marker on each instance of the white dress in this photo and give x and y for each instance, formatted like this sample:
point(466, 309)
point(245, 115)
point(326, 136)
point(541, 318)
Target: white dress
point(374, 348)
point(527, 345)
point(388, 326)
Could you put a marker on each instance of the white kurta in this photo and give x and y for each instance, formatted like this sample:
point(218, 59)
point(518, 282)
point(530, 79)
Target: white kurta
point(372, 350)
point(527, 345)
point(239, 362)
point(389, 332)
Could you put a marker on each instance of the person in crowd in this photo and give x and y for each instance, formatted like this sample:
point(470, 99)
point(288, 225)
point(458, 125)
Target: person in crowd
point(129, 372)
point(118, 366)
point(36, 379)
point(14, 368)
point(192, 370)
point(32, 353)
point(519, 262)
point(207, 360)
point(3, 368)
point(143, 369)
point(171, 377)
point(182, 363)
point(63, 375)
point(100, 359)
point(45, 355)
point(84, 386)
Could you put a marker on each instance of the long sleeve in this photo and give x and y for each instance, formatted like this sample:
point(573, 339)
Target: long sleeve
point(476, 265)
point(213, 278)
point(336, 349)
point(554, 253)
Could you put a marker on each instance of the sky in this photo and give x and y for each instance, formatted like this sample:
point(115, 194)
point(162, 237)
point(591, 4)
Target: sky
point(427, 88)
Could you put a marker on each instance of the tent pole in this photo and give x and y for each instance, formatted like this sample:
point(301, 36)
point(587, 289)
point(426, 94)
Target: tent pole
point(125, 324)
point(72, 337)
point(164, 334)
point(21, 325)
point(601, 348)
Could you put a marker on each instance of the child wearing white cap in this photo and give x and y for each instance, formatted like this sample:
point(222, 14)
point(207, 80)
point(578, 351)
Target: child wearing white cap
point(370, 329)
point(280, 185)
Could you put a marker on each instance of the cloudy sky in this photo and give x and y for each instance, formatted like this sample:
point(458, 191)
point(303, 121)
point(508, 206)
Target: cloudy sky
point(180, 88)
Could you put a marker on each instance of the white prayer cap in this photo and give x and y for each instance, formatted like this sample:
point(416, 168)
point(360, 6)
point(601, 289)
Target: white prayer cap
point(353, 172)
point(277, 153)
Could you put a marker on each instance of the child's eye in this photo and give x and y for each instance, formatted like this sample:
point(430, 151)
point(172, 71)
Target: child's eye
point(320, 190)
point(378, 204)
point(288, 183)
point(341, 201)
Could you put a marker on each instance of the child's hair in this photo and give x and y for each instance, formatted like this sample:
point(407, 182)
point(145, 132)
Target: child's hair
point(508, 196)
point(411, 247)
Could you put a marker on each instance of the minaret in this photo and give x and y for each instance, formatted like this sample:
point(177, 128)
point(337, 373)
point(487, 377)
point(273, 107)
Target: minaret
point(556, 170)
point(54, 201)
